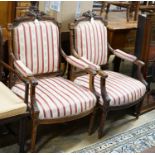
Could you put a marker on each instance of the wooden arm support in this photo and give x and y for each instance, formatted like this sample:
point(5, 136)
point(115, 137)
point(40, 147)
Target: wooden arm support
point(104, 93)
point(140, 76)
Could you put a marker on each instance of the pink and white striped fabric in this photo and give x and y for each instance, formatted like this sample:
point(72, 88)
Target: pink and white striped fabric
point(76, 62)
point(90, 64)
point(22, 68)
point(37, 46)
point(91, 41)
point(57, 98)
point(125, 56)
point(121, 89)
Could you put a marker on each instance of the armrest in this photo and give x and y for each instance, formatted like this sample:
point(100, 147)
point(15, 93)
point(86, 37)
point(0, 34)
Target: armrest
point(90, 64)
point(124, 55)
point(132, 59)
point(25, 71)
point(76, 62)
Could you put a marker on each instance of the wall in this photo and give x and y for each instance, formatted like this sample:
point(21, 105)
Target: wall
point(68, 11)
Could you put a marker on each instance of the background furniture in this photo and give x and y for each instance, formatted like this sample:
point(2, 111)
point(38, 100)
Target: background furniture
point(132, 7)
point(122, 36)
point(145, 50)
point(13, 109)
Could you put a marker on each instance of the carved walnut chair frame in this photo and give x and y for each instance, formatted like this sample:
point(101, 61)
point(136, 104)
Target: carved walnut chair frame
point(73, 73)
point(31, 82)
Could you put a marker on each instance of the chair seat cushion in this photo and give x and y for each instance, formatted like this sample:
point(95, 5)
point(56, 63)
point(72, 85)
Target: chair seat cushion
point(57, 97)
point(121, 89)
point(10, 104)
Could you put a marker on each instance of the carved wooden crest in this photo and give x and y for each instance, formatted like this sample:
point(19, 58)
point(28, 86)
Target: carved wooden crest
point(89, 14)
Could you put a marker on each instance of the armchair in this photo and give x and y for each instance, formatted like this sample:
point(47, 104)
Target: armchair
point(115, 91)
point(35, 53)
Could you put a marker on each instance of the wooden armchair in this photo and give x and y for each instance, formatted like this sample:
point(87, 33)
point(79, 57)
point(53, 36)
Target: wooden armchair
point(35, 52)
point(115, 91)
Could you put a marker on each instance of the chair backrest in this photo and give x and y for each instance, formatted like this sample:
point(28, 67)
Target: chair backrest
point(91, 41)
point(36, 44)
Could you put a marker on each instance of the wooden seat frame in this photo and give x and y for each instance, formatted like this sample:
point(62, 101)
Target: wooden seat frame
point(72, 74)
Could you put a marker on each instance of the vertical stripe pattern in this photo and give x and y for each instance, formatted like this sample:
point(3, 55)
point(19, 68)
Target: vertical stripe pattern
point(57, 98)
point(37, 46)
point(120, 88)
point(91, 41)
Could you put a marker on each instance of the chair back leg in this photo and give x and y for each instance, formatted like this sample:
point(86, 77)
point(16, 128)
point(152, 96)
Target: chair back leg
point(138, 108)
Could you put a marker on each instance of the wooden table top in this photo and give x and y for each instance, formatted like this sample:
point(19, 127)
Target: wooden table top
point(122, 25)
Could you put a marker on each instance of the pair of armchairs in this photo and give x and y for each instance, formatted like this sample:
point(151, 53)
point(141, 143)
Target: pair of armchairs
point(35, 53)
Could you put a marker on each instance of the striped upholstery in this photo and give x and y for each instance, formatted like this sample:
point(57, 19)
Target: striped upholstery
point(91, 41)
point(90, 64)
point(76, 62)
point(22, 68)
point(57, 98)
point(125, 56)
point(121, 89)
point(36, 45)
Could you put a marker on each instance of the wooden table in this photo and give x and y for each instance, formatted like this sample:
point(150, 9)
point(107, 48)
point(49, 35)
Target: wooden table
point(122, 35)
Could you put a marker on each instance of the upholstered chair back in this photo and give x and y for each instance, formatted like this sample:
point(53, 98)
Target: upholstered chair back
point(91, 41)
point(36, 44)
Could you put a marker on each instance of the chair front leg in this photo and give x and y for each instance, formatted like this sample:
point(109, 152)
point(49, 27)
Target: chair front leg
point(104, 111)
point(35, 116)
point(107, 11)
point(34, 131)
point(92, 119)
point(104, 107)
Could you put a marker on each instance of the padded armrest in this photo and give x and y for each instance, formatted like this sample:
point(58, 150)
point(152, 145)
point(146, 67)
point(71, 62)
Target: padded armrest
point(25, 71)
point(91, 65)
point(124, 55)
point(76, 62)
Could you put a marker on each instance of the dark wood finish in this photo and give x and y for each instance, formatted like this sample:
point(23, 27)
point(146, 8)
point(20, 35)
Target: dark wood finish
point(31, 82)
point(145, 50)
point(106, 107)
